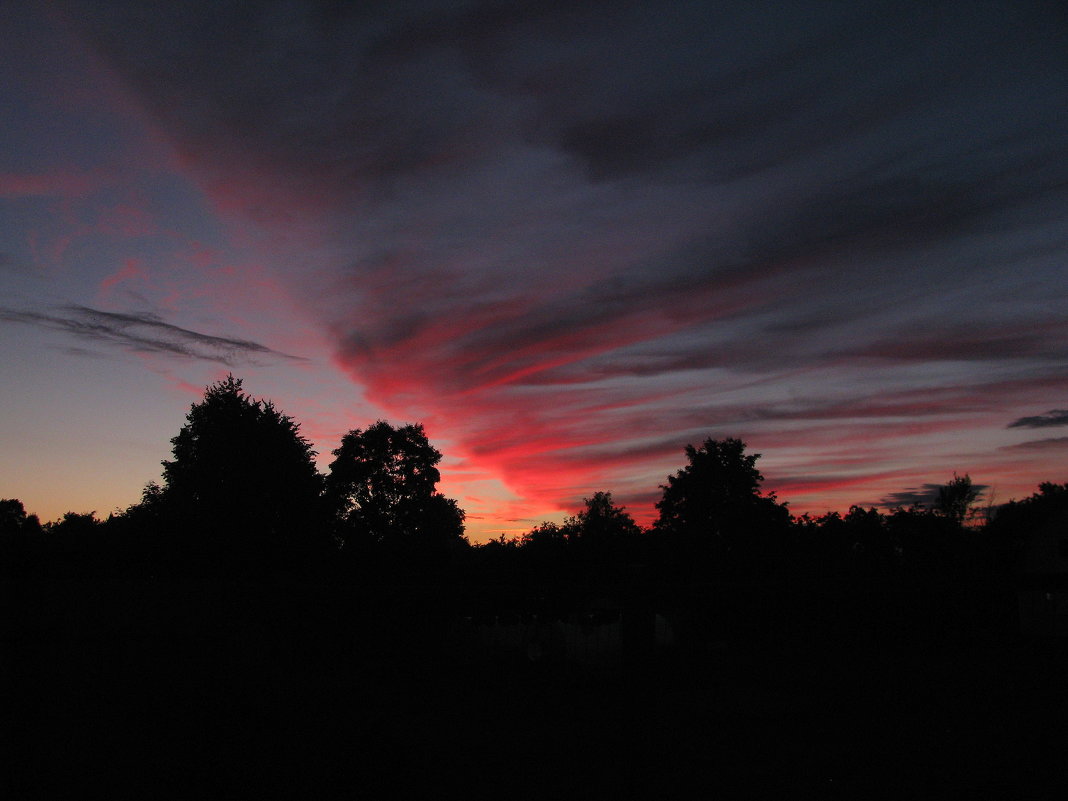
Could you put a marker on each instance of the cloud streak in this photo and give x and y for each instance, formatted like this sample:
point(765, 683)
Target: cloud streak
point(574, 238)
point(924, 495)
point(142, 332)
point(1040, 445)
point(1054, 417)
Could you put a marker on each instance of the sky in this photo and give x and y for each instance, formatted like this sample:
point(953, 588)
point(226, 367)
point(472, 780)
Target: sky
point(567, 238)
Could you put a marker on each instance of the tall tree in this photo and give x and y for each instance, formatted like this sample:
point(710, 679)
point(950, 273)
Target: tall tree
point(956, 498)
point(381, 488)
point(715, 503)
point(242, 476)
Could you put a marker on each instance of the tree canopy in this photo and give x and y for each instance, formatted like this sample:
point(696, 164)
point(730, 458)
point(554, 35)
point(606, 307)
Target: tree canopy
point(718, 490)
point(13, 518)
point(242, 493)
point(241, 471)
point(381, 489)
point(600, 521)
point(956, 498)
point(715, 502)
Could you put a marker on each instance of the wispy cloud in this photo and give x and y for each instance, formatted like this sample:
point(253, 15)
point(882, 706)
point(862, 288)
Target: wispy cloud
point(144, 332)
point(575, 237)
point(1039, 445)
point(924, 495)
point(1054, 417)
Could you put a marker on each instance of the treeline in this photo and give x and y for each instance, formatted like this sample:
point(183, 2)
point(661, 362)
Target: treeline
point(242, 498)
point(252, 624)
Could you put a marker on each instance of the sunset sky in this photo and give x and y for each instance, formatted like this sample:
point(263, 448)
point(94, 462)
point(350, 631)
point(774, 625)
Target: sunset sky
point(569, 238)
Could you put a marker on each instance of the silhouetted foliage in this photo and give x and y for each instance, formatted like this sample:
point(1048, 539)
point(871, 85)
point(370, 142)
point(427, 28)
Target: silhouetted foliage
point(14, 520)
point(243, 483)
point(1050, 500)
point(714, 505)
point(601, 535)
point(20, 535)
point(1016, 521)
point(724, 564)
point(74, 524)
point(600, 522)
point(150, 534)
point(956, 498)
point(545, 536)
point(150, 512)
point(929, 542)
point(381, 490)
point(833, 546)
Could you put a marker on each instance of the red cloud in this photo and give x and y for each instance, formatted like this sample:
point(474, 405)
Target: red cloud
point(569, 335)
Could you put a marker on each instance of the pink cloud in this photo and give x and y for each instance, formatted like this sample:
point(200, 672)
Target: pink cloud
point(571, 282)
point(131, 269)
point(54, 184)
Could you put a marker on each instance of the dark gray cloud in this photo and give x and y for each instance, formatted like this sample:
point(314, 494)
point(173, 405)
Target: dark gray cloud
point(844, 135)
point(719, 92)
point(1052, 443)
point(143, 333)
point(523, 199)
point(925, 495)
point(1041, 340)
point(1054, 417)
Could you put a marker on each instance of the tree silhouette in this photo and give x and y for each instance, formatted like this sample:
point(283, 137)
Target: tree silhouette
point(74, 525)
point(1016, 522)
point(20, 537)
point(243, 481)
point(715, 504)
point(545, 536)
point(381, 491)
point(600, 521)
point(14, 520)
point(956, 498)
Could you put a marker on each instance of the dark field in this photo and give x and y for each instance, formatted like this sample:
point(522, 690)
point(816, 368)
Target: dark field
point(189, 690)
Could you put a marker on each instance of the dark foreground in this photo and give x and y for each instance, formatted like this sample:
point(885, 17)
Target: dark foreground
point(195, 691)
